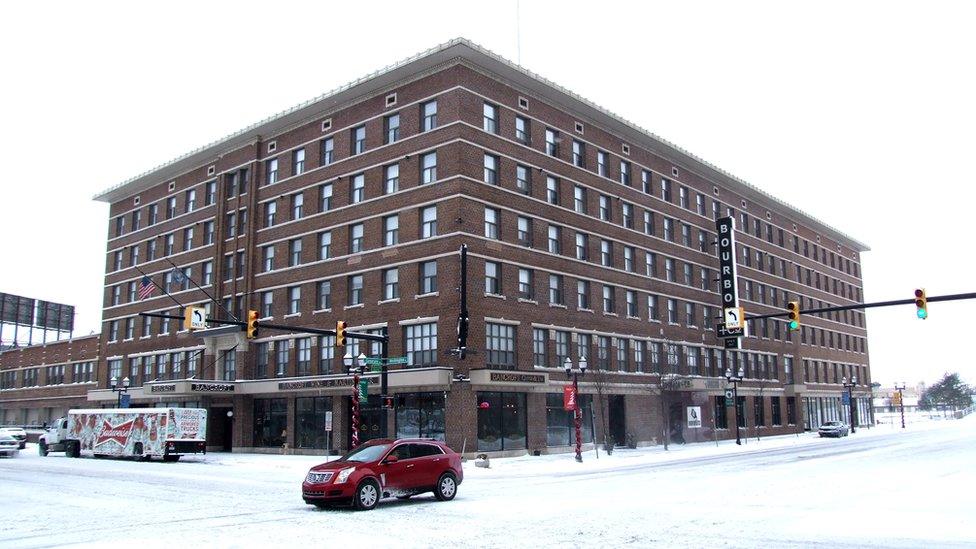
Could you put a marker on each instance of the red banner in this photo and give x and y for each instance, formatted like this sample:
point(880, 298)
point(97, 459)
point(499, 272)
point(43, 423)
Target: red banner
point(569, 398)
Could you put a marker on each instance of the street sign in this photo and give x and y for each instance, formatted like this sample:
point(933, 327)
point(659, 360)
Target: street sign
point(694, 417)
point(729, 397)
point(735, 317)
point(363, 389)
point(328, 421)
point(124, 401)
point(195, 319)
point(845, 399)
point(378, 361)
point(732, 343)
point(724, 333)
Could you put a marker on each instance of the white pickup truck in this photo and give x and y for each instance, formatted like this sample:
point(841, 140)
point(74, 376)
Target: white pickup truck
point(166, 433)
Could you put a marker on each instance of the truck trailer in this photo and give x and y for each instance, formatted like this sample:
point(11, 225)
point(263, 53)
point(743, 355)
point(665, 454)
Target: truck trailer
point(144, 433)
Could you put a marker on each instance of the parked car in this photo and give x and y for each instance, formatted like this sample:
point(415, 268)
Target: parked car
point(384, 468)
point(9, 446)
point(833, 429)
point(19, 434)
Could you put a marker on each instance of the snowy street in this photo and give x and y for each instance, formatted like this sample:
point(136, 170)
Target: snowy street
point(878, 487)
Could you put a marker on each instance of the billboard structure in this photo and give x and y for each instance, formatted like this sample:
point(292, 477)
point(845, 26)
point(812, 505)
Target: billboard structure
point(19, 313)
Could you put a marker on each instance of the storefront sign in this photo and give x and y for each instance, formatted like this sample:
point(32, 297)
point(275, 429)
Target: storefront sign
point(168, 388)
point(694, 417)
point(328, 421)
point(569, 398)
point(320, 383)
point(212, 387)
point(506, 377)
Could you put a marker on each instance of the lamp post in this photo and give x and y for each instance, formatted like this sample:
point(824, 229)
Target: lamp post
point(354, 369)
point(901, 401)
point(577, 412)
point(734, 380)
point(850, 398)
point(119, 389)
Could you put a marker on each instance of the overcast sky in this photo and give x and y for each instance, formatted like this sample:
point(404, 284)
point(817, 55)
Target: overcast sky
point(861, 114)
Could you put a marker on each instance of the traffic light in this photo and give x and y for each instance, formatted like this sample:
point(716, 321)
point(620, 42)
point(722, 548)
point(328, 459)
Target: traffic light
point(793, 315)
point(921, 304)
point(252, 324)
point(340, 333)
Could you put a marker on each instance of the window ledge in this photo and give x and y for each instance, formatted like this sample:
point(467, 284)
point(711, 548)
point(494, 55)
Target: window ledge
point(430, 294)
point(496, 296)
point(609, 314)
point(319, 311)
point(394, 300)
point(532, 301)
point(557, 305)
point(585, 310)
point(292, 315)
point(144, 337)
point(266, 318)
point(356, 306)
point(633, 317)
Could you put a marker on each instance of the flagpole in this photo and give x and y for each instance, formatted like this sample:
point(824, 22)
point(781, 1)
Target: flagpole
point(153, 282)
point(204, 291)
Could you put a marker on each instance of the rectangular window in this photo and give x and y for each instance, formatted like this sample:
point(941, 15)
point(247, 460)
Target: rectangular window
point(491, 169)
point(523, 179)
point(552, 190)
point(325, 245)
point(428, 222)
point(650, 264)
point(625, 172)
point(357, 189)
point(391, 284)
point(665, 190)
point(603, 353)
point(490, 118)
point(271, 171)
point(355, 289)
point(652, 311)
point(267, 258)
point(579, 199)
point(295, 252)
point(325, 294)
point(282, 349)
point(601, 163)
point(556, 290)
point(208, 235)
point(608, 295)
point(391, 178)
point(428, 168)
point(579, 154)
point(554, 239)
point(267, 304)
point(522, 134)
point(500, 345)
point(294, 299)
point(631, 303)
point(428, 116)
point(298, 162)
point(493, 278)
point(358, 140)
point(552, 142)
point(583, 294)
point(325, 197)
point(391, 128)
point(327, 151)
point(539, 347)
point(526, 287)
point(421, 344)
point(582, 245)
point(297, 205)
point(524, 228)
point(491, 223)
point(428, 277)
point(270, 211)
point(303, 356)
point(628, 215)
point(605, 208)
point(606, 253)
point(623, 354)
point(189, 204)
point(356, 238)
point(391, 230)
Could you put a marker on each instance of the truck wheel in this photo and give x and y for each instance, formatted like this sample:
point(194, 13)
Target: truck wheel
point(73, 449)
point(137, 451)
point(42, 448)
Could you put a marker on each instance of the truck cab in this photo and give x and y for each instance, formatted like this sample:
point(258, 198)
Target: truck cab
point(55, 439)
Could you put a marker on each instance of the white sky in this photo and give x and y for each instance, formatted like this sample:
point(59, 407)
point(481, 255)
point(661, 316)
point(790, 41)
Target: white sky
point(855, 112)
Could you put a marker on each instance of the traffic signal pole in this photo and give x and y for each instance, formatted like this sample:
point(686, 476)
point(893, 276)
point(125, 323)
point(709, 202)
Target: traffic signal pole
point(934, 299)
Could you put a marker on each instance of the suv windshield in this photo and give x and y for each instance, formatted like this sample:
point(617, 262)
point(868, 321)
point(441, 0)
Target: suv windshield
point(366, 453)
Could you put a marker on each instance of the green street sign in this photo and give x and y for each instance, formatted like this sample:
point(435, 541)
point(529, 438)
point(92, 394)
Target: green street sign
point(363, 392)
point(373, 361)
point(378, 361)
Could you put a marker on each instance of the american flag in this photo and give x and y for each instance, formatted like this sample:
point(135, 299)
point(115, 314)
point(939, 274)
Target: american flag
point(146, 287)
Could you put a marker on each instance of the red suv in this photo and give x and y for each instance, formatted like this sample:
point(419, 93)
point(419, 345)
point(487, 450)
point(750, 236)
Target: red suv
point(383, 468)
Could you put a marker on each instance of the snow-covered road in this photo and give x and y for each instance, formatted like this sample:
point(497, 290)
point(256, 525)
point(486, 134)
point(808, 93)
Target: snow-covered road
point(879, 487)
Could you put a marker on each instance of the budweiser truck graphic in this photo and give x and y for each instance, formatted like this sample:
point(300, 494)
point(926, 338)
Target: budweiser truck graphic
point(166, 433)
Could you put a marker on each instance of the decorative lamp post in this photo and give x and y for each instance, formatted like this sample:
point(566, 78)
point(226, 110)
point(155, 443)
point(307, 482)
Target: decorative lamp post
point(850, 398)
point(119, 389)
point(901, 401)
point(734, 380)
point(354, 370)
point(577, 411)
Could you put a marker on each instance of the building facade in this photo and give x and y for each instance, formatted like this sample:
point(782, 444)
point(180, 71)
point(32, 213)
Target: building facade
point(587, 237)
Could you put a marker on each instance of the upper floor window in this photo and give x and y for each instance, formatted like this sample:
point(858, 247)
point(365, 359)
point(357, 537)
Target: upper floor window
point(357, 191)
point(428, 222)
point(524, 228)
point(355, 283)
point(428, 116)
point(522, 134)
point(356, 238)
point(552, 142)
point(358, 139)
point(298, 161)
point(428, 168)
point(271, 171)
point(579, 154)
point(491, 169)
point(391, 230)
point(601, 163)
point(625, 172)
point(391, 128)
point(491, 223)
point(154, 209)
point(391, 178)
point(666, 190)
point(579, 199)
point(523, 179)
point(328, 148)
point(297, 205)
point(189, 205)
point(325, 197)
point(493, 278)
point(490, 121)
point(270, 211)
point(552, 190)
point(605, 208)
point(683, 197)
point(170, 207)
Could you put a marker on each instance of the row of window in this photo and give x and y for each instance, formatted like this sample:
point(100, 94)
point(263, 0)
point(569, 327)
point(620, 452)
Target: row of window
point(579, 158)
point(80, 372)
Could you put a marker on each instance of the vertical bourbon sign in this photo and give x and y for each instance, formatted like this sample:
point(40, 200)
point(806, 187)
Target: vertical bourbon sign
point(728, 279)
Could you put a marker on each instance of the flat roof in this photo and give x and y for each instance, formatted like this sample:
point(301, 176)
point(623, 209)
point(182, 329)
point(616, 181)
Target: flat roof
point(456, 51)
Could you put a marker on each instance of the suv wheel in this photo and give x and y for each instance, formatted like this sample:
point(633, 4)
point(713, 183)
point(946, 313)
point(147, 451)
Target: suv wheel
point(446, 487)
point(42, 448)
point(367, 495)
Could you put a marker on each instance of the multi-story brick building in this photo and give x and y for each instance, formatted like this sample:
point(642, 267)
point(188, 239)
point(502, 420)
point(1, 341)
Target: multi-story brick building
point(587, 237)
point(41, 382)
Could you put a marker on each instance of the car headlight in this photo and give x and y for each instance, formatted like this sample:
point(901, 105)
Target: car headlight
point(344, 475)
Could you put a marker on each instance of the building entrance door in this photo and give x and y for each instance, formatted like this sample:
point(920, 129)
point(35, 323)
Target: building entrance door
point(220, 429)
point(370, 415)
point(618, 420)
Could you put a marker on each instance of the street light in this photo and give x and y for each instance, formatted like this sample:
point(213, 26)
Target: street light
point(354, 369)
point(734, 380)
point(577, 412)
point(901, 401)
point(850, 398)
point(119, 389)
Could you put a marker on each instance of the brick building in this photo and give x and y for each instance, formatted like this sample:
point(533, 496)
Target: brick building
point(587, 236)
point(41, 382)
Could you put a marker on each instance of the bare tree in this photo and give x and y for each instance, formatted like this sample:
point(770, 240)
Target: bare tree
point(666, 389)
point(600, 379)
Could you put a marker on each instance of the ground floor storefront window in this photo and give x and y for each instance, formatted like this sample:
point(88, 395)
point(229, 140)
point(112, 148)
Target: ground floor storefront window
point(270, 422)
point(720, 414)
point(501, 421)
point(560, 425)
point(310, 421)
point(420, 415)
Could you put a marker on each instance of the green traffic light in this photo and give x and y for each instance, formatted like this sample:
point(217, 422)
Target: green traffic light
point(794, 324)
point(922, 313)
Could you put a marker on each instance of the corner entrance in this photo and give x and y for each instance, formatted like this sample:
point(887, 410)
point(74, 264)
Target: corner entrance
point(220, 429)
point(618, 420)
